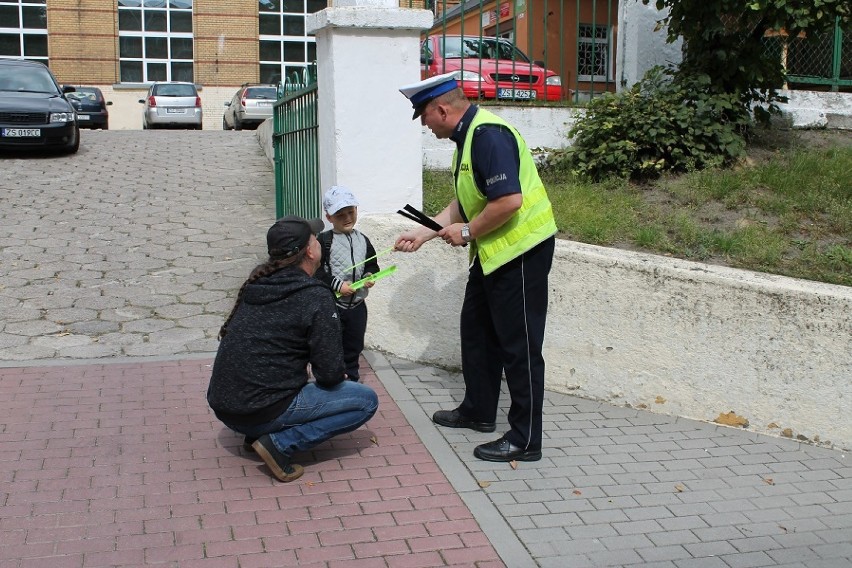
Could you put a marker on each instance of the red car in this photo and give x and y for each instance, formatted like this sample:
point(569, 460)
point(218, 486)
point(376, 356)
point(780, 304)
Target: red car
point(489, 68)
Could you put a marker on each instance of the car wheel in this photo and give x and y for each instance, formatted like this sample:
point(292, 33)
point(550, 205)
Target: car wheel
point(224, 124)
point(237, 124)
point(75, 145)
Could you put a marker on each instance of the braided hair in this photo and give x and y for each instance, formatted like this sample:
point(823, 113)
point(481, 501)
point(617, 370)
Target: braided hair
point(271, 266)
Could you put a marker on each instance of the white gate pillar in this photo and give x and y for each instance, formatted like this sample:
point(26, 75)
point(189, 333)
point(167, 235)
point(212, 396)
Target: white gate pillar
point(366, 50)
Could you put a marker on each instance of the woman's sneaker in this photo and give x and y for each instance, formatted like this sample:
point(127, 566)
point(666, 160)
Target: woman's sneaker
point(277, 462)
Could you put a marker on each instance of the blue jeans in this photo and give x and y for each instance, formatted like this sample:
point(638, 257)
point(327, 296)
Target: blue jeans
point(317, 414)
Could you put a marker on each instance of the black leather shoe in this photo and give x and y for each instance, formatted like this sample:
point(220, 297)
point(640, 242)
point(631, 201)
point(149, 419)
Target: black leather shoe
point(504, 451)
point(455, 419)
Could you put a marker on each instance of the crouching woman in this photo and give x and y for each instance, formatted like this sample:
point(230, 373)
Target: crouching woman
point(283, 322)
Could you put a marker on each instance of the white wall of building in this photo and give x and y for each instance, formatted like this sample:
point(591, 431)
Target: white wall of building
point(639, 46)
point(125, 113)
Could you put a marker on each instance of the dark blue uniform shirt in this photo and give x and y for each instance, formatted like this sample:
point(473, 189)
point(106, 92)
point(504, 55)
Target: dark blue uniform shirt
point(494, 157)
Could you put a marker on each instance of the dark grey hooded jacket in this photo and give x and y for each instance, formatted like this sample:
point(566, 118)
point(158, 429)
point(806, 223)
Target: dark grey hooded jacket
point(284, 322)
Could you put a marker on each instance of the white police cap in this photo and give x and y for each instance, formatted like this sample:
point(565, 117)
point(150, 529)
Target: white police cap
point(422, 92)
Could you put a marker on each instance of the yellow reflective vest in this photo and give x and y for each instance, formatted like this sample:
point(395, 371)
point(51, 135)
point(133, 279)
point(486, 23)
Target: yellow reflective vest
point(529, 226)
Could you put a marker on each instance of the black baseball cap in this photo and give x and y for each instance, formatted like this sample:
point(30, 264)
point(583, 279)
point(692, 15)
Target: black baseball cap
point(290, 234)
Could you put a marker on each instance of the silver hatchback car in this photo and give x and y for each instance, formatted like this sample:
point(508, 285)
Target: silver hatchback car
point(249, 106)
point(172, 104)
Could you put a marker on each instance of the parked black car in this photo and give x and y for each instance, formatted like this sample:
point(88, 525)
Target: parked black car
point(33, 109)
point(91, 107)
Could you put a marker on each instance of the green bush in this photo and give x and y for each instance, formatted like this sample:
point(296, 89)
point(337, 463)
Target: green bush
point(662, 124)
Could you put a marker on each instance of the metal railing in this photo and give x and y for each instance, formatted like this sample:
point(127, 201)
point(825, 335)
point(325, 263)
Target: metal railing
point(823, 61)
point(573, 40)
point(295, 141)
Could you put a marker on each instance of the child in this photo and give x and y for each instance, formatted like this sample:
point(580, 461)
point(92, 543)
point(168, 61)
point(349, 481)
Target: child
point(344, 250)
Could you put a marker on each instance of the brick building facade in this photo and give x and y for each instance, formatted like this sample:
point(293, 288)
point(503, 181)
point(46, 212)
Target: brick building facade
point(85, 38)
point(122, 46)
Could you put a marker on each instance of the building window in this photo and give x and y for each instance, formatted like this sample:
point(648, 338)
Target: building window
point(23, 29)
point(155, 40)
point(285, 50)
point(593, 53)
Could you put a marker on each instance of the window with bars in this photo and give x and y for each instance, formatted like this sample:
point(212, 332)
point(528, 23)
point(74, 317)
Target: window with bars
point(285, 50)
point(155, 40)
point(593, 53)
point(23, 29)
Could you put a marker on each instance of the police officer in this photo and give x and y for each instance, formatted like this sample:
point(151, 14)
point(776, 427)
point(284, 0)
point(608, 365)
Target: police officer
point(502, 211)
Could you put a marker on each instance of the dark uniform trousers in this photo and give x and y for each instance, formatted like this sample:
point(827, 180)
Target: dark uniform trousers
point(502, 329)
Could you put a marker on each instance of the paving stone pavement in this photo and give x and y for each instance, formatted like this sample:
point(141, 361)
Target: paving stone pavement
point(627, 487)
point(116, 268)
point(131, 247)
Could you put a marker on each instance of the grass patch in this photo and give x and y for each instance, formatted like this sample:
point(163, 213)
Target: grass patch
point(600, 214)
point(437, 190)
point(787, 210)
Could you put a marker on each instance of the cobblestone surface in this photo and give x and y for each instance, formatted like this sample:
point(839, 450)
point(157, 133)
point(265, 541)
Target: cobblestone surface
point(627, 487)
point(133, 246)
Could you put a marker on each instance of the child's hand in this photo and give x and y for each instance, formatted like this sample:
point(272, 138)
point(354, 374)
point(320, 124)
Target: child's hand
point(346, 289)
point(369, 283)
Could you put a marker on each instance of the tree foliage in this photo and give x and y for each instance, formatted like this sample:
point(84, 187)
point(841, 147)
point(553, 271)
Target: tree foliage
point(724, 38)
point(698, 114)
point(662, 124)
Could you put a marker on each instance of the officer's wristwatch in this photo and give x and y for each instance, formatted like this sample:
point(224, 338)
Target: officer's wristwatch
point(465, 233)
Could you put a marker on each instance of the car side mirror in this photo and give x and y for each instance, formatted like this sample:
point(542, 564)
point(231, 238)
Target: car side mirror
point(426, 60)
point(67, 89)
point(109, 103)
point(142, 101)
point(227, 104)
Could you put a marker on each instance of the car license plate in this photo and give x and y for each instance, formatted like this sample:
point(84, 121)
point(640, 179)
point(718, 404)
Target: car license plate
point(21, 132)
point(83, 116)
point(515, 94)
point(174, 111)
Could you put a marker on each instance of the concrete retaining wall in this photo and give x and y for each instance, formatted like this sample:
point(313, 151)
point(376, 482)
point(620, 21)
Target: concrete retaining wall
point(676, 337)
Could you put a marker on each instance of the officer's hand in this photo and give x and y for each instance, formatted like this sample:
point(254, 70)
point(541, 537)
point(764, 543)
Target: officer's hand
point(452, 234)
point(413, 239)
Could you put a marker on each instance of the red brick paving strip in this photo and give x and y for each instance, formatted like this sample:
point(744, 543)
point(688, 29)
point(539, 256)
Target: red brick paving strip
point(123, 464)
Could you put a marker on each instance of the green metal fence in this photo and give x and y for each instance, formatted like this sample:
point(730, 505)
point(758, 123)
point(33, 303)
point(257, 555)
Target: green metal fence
point(821, 61)
point(295, 141)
